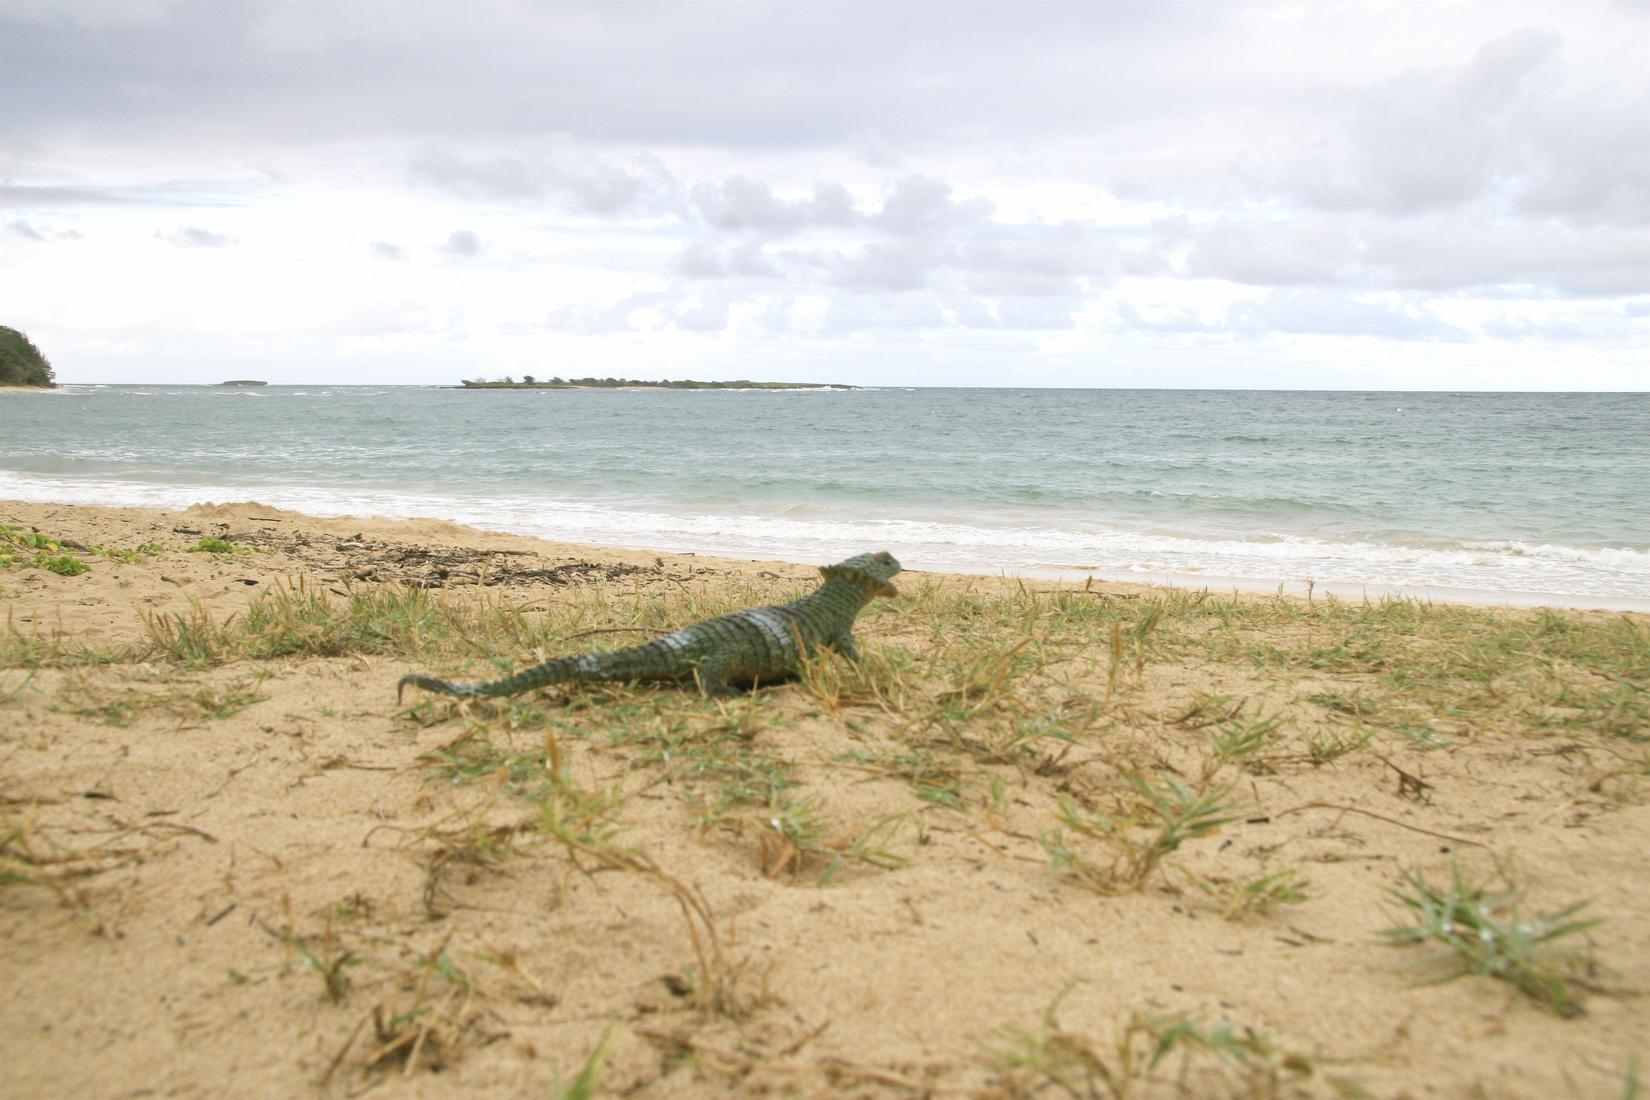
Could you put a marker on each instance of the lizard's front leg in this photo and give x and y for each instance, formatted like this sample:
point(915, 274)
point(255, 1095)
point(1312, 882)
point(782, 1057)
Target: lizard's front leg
point(844, 644)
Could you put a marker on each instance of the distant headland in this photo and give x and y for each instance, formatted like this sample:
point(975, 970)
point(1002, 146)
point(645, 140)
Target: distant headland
point(21, 364)
point(528, 382)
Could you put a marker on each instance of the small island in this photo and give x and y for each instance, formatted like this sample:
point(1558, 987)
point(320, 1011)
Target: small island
point(244, 382)
point(528, 382)
point(21, 363)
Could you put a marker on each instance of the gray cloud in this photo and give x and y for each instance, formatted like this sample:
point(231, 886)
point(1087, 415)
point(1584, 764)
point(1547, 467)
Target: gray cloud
point(1303, 250)
point(39, 233)
point(1181, 97)
point(922, 206)
point(461, 242)
point(170, 193)
point(709, 307)
point(1426, 138)
point(1593, 165)
point(191, 236)
point(620, 315)
point(1589, 327)
point(715, 153)
point(709, 313)
point(862, 313)
point(1035, 313)
point(1330, 313)
point(710, 259)
point(604, 72)
point(1336, 313)
point(1511, 127)
point(1300, 312)
point(1172, 322)
point(970, 268)
point(584, 181)
point(87, 15)
point(1066, 261)
point(738, 204)
point(886, 265)
point(1435, 252)
point(1519, 128)
point(1174, 98)
point(921, 237)
point(1438, 253)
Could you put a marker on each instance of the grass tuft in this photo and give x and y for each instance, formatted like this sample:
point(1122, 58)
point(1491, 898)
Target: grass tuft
point(583, 1086)
point(191, 638)
point(212, 545)
point(1258, 894)
point(1150, 823)
point(1218, 1059)
point(1479, 929)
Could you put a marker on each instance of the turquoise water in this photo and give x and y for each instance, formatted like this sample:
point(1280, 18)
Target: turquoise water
point(1502, 495)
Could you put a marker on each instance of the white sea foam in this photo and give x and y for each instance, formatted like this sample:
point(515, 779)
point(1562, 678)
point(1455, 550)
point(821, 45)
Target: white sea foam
point(1575, 575)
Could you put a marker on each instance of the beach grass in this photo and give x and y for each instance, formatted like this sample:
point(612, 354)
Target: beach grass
point(1480, 929)
point(1213, 1060)
point(1425, 670)
point(1098, 758)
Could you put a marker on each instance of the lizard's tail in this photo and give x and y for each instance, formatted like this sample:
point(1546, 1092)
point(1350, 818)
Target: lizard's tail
point(557, 671)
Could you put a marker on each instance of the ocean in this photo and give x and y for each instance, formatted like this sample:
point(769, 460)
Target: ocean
point(1518, 498)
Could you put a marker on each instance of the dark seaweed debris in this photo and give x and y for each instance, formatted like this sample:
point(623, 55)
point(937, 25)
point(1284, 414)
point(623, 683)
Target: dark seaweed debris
point(359, 558)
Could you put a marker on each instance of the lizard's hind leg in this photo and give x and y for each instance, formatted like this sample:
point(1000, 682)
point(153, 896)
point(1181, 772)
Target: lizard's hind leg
point(712, 678)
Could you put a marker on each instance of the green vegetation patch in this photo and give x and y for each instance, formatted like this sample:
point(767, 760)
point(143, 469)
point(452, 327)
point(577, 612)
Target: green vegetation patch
point(528, 382)
point(213, 545)
point(24, 548)
point(1480, 928)
point(1217, 1059)
point(21, 363)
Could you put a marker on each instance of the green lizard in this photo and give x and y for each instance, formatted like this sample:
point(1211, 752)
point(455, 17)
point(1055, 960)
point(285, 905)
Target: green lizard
point(759, 646)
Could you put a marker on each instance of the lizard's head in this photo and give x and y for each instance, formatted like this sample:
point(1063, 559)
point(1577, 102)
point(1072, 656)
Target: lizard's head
point(870, 571)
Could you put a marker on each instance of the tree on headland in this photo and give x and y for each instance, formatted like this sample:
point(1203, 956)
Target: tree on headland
point(21, 363)
point(529, 381)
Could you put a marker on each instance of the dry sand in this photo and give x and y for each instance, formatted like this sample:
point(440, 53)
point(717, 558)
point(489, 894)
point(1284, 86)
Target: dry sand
point(197, 875)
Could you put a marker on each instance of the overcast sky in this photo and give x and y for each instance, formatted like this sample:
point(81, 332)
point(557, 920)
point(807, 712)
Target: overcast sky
point(1278, 193)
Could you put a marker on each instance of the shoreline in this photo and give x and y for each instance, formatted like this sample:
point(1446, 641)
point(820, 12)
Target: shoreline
point(1303, 588)
point(1204, 510)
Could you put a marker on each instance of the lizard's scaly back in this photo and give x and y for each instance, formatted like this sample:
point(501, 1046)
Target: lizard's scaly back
point(760, 645)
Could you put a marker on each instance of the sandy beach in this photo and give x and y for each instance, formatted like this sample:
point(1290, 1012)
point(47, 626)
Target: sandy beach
point(1045, 839)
